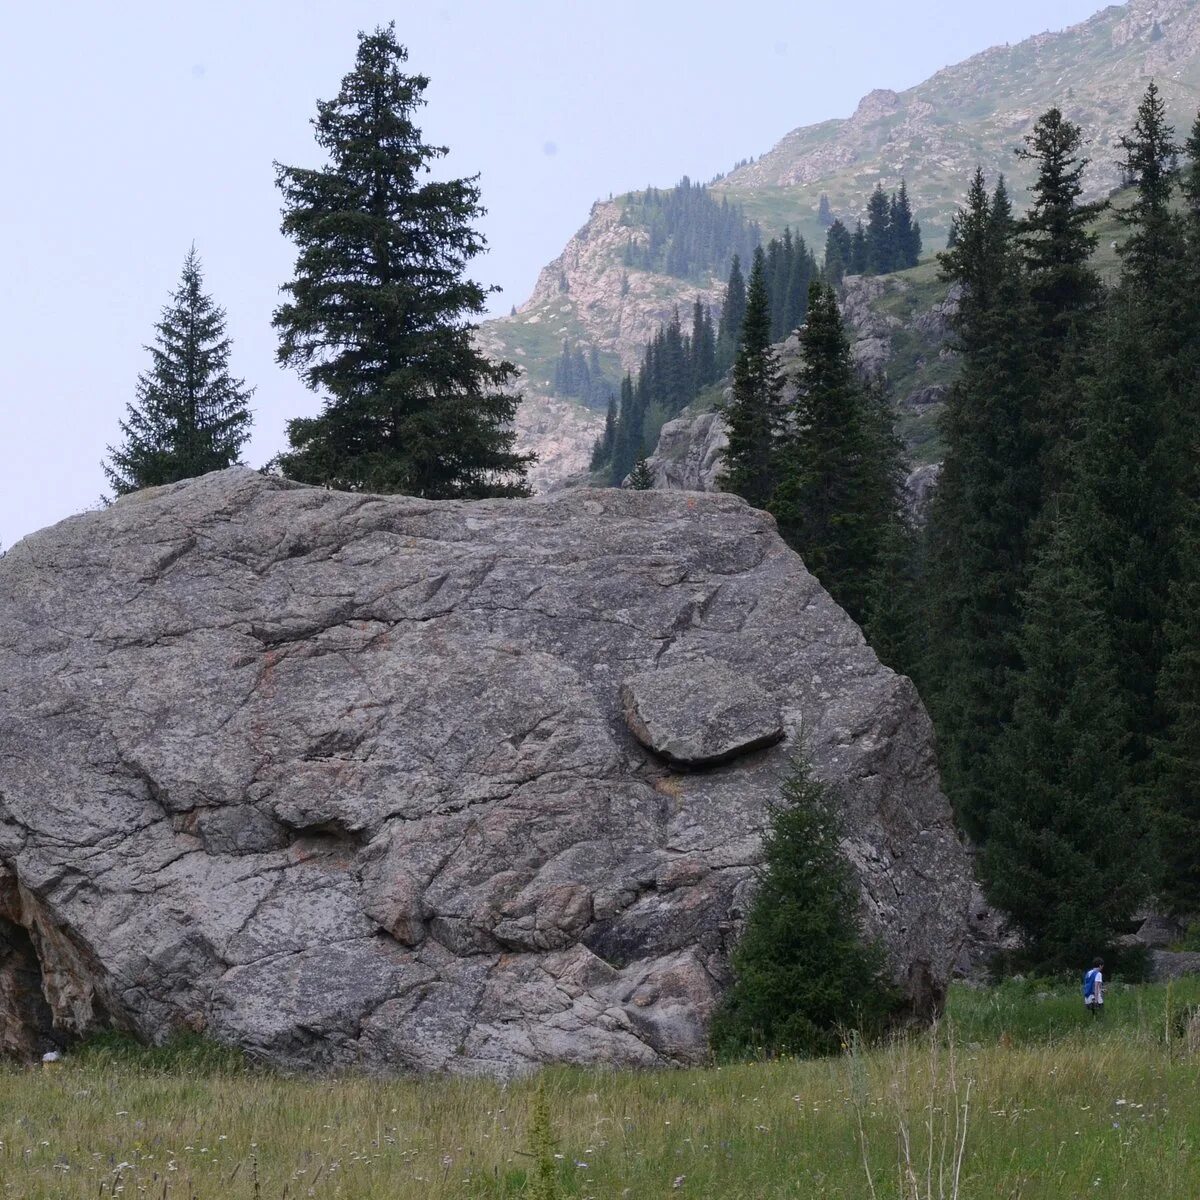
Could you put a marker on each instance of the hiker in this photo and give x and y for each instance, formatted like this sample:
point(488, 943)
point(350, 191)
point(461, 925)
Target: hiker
point(1093, 988)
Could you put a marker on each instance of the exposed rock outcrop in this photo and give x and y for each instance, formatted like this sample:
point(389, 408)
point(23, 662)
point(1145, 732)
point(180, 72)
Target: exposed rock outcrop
point(688, 457)
point(918, 488)
point(560, 432)
point(347, 779)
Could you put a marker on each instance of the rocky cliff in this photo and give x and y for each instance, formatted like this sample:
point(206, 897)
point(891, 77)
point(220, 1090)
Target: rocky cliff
point(934, 135)
point(976, 111)
point(419, 786)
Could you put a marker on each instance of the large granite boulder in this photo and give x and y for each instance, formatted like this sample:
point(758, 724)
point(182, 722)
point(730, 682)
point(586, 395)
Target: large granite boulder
point(349, 779)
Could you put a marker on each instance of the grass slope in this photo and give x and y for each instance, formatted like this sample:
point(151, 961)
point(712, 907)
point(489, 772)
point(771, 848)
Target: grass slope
point(1054, 1105)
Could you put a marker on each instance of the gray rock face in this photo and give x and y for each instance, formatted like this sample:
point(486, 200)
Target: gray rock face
point(924, 397)
point(699, 714)
point(918, 489)
point(346, 779)
point(1167, 964)
point(690, 452)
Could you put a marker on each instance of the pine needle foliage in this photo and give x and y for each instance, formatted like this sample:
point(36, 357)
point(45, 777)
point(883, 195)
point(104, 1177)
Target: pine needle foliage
point(1066, 854)
point(803, 971)
point(641, 478)
point(754, 411)
point(190, 415)
point(379, 313)
point(837, 464)
point(1177, 752)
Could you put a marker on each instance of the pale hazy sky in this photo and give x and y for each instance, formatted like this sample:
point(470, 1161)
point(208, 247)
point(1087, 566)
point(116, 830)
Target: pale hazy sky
point(131, 129)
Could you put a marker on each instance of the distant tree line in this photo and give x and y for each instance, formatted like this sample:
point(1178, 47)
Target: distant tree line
point(889, 241)
point(679, 364)
point(581, 376)
point(825, 460)
point(676, 366)
point(684, 232)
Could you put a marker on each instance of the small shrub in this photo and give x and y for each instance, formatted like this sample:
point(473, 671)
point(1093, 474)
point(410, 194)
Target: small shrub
point(803, 973)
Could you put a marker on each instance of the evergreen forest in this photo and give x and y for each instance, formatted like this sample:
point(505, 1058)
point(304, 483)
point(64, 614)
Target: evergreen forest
point(680, 363)
point(684, 232)
point(1048, 604)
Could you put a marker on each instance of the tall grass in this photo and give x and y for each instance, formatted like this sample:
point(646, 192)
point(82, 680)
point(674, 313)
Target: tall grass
point(1019, 1094)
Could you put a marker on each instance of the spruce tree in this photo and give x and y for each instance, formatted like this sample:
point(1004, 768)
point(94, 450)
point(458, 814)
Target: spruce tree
point(1128, 469)
point(602, 450)
point(1066, 853)
point(733, 313)
point(190, 415)
point(703, 349)
point(1177, 749)
point(905, 232)
point(627, 441)
point(978, 530)
point(1154, 246)
point(1055, 236)
point(860, 256)
point(837, 492)
point(839, 252)
point(825, 216)
point(641, 478)
point(803, 970)
point(803, 271)
point(1189, 176)
point(881, 248)
point(754, 412)
point(1137, 472)
point(892, 618)
point(1057, 240)
point(379, 312)
point(1176, 791)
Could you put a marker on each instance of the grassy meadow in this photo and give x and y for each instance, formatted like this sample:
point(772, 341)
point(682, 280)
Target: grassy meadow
point(1018, 1095)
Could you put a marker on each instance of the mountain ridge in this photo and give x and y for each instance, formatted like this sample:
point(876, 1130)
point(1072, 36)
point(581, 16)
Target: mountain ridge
point(932, 135)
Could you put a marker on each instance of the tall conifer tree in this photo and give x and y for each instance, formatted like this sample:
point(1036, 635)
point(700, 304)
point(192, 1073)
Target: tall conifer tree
point(1127, 467)
point(190, 415)
point(733, 313)
point(1057, 241)
point(703, 348)
point(837, 465)
point(753, 413)
point(860, 255)
point(1066, 853)
point(379, 313)
point(1177, 750)
point(978, 529)
point(906, 232)
point(839, 252)
point(1176, 789)
point(881, 247)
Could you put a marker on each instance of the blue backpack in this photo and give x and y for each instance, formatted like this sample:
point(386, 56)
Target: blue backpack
point(1089, 982)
